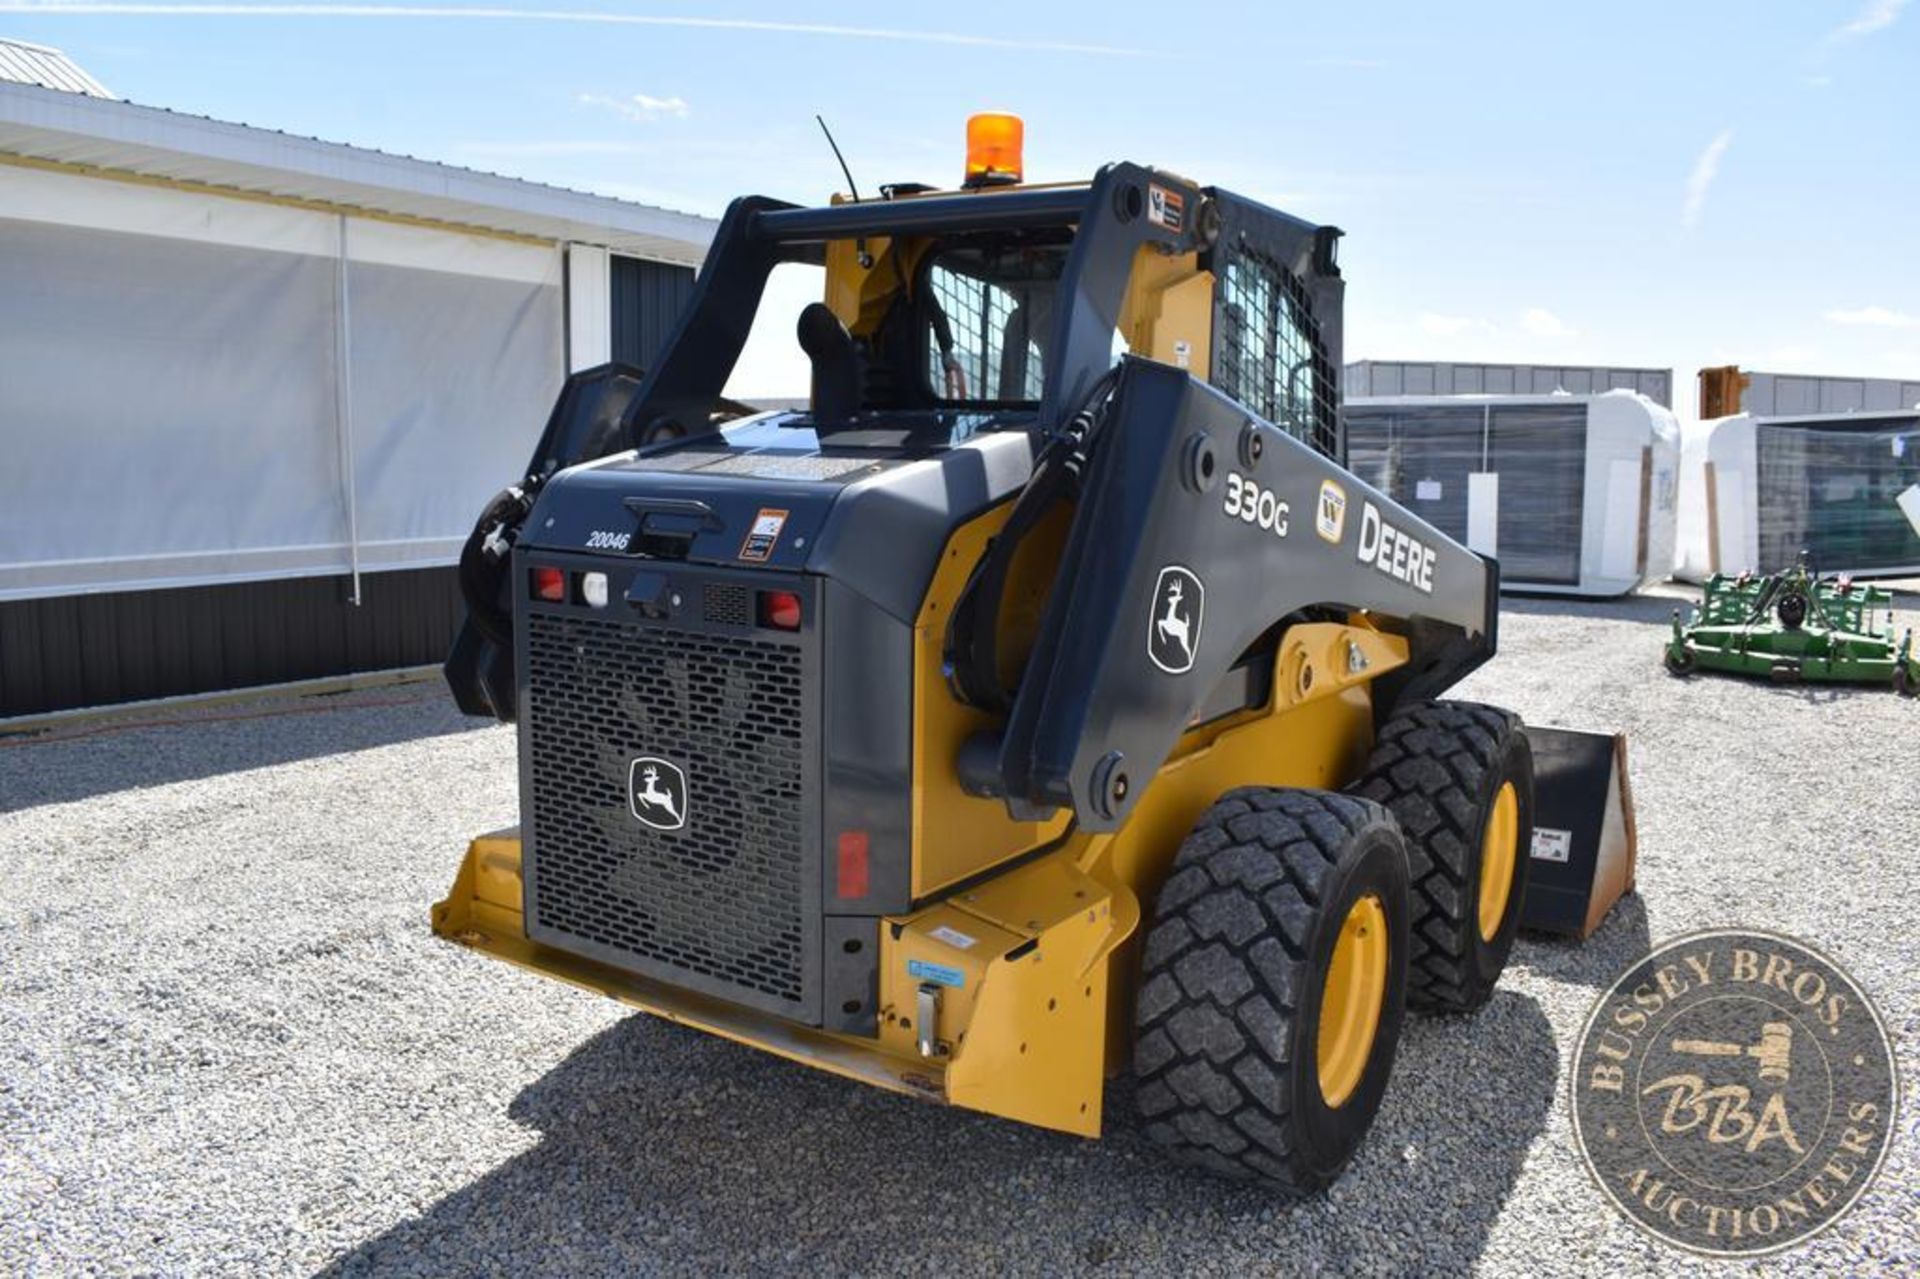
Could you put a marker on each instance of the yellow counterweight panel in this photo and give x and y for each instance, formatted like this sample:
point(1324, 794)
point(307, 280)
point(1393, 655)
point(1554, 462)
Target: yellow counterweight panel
point(1019, 966)
point(483, 913)
point(1021, 978)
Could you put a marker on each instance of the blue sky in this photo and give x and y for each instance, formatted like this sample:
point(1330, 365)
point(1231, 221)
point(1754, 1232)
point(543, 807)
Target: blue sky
point(1668, 184)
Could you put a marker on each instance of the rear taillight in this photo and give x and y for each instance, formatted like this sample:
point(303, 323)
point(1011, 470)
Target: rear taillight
point(851, 879)
point(550, 584)
point(780, 610)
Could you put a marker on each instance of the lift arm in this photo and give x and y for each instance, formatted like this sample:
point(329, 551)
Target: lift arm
point(1199, 530)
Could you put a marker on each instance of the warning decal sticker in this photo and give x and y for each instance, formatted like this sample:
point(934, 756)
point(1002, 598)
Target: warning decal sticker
point(763, 536)
point(1550, 845)
point(1166, 208)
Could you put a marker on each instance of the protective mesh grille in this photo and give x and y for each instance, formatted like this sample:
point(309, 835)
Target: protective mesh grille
point(721, 898)
point(1268, 352)
point(993, 355)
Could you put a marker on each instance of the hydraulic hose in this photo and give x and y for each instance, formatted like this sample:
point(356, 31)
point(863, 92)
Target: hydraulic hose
point(973, 636)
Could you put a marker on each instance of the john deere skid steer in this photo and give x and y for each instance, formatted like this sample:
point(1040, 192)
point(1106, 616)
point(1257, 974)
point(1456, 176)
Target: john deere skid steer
point(1044, 698)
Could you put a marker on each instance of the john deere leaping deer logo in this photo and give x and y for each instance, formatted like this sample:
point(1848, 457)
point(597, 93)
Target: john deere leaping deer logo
point(1173, 628)
point(1733, 1093)
point(657, 792)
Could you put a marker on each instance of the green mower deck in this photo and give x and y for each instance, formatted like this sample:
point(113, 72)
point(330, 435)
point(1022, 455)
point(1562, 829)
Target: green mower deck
point(1795, 626)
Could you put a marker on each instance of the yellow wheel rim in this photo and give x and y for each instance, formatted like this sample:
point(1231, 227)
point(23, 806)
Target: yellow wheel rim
point(1350, 1002)
point(1499, 849)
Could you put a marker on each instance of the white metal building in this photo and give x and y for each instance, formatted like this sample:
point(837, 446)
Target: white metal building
point(1573, 494)
point(233, 356)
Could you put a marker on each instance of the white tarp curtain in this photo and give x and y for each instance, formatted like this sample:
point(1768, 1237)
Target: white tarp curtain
point(176, 406)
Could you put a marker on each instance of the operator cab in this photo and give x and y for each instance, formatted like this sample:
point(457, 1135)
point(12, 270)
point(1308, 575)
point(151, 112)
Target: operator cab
point(1000, 305)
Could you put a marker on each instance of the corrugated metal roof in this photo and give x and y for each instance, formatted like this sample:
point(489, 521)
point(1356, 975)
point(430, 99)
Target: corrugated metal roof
point(120, 137)
point(36, 64)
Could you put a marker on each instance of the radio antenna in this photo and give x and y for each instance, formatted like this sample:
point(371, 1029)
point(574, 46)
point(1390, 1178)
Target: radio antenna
point(853, 189)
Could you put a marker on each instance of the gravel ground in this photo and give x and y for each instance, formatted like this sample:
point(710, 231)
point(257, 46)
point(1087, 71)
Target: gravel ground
point(229, 1044)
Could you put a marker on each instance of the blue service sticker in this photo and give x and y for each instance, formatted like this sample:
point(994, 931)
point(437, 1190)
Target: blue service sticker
point(938, 974)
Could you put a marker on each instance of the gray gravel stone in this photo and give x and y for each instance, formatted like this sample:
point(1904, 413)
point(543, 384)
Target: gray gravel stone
point(230, 1045)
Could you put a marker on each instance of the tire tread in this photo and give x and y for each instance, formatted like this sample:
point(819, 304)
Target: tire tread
point(1224, 961)
point(1428, 766)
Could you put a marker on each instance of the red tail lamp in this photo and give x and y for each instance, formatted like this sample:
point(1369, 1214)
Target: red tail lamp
point(550, 584)
point(851, 879)
point(780, 610)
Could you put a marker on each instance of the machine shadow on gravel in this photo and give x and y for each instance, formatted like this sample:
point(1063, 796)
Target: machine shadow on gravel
point(181, 744)
point(1625, 608)
point(1810, 693)
point(662, 1148)
point(1621, 941)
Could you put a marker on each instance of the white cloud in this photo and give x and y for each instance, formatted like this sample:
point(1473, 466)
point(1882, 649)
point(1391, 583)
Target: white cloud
point(1700, 181)
point(1790, 357)
point(1874, 15)
point(640, 106)
point(1451, 326)
point(195, 9)
point(1543, 323)
point(1875, 316)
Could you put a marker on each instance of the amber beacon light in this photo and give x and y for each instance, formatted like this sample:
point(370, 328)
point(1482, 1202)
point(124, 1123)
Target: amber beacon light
point(994, 140)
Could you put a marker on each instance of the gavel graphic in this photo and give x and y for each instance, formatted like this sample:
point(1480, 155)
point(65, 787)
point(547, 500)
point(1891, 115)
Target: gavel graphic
point(1774, 1052)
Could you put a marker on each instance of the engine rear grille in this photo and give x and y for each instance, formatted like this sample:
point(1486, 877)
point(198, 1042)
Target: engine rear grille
point(727, 604)
point(721, 904)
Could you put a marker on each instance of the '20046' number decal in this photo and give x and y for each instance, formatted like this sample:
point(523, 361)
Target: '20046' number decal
point(601, 540)
point(1251, 504)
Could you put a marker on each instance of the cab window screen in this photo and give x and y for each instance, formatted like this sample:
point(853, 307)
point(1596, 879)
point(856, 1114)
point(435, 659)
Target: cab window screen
point(1268, 353)
point(988, 314)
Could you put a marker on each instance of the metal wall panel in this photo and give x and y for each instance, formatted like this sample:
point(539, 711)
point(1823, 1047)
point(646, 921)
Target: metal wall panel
point(647, 300)
point(1433, 377)
point(97, 650)
point(1804, 395)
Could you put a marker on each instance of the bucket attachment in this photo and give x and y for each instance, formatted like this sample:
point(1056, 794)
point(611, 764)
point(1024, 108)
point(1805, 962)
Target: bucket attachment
point(1583, 833)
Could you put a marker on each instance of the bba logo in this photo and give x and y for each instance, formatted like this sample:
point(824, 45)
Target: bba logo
point(1330, 515)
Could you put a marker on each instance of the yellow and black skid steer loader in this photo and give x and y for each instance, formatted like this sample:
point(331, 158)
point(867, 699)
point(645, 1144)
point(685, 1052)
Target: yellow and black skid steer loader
point(1044, 698)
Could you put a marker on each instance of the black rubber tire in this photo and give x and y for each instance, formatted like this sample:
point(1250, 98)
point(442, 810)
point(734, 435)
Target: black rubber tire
point(1437, 767)
point(1228, 1015)
point(1903, 683)
point(1682, 666)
